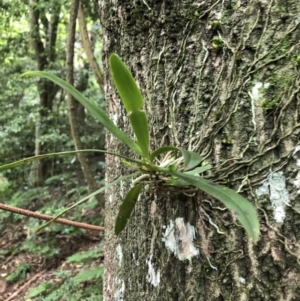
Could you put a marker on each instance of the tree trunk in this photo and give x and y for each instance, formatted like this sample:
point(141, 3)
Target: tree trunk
point(45, 55)
point(219, 78)
point(88, 49)
point(72, 104)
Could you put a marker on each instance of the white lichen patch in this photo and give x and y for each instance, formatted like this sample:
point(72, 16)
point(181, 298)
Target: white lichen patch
point(275, 187)
point(178, 238)
point(136, 262)
point(114, 117)
point(152, 277)
point(258, 89)
point(119, 293)
point(119, 254)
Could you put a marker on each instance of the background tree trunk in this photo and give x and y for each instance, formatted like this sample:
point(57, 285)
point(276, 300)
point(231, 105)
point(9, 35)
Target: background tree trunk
point(219, 78)
point(45, 55)
point(73, 105)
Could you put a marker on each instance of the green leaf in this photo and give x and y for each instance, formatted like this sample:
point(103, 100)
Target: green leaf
point(139, 124)
point(191, 159)
point(198, 170)
point(36, 158)
point(180, 182)
point(129, 92)
point(132, 99)
point(91, 107)
point(126, 208)
point(242, 209)
point(87, 198)
point(162, 150)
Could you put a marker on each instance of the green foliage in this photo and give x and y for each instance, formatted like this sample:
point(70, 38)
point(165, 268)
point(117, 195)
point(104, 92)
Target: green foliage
point(90, 106)
point(89, 274)
point(130, 93)
point(269, 105)
point(46, 247)
point(86, 256)
point(21, 105)
point(126, 208)
point(133, 101)
point(102, 189)
point(20, 198)
point(217, 43)
point(40, 290)
point(19, 273)
point(4, 183)
point(175, 168)
point(71, 286)
point(216, 25)
point(241, 208)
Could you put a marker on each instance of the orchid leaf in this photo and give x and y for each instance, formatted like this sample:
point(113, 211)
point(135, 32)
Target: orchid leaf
point(139, 124)
point(129, 92)
point(198, 170)
point(241, 208)
point(91, 107)
point(191, 159)
point(126, 208)
point(102, 189)
point(180, 182)
point(132, 99)
point(45, 156)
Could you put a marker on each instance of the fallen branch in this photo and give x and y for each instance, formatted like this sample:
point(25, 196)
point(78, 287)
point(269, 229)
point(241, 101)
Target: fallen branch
point(49, 218)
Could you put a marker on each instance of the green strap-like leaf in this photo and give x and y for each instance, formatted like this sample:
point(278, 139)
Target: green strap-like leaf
point(180, 182)
point(132, 99)
point(126, 208)
point(198, 170)
point(241, 208)
point(45, 156)
point(191, 159)
point(91, 107)
point(129, 92)
point(87, 198)
point(139, 123)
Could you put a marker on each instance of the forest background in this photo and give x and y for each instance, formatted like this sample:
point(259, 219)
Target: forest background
point(61, 262)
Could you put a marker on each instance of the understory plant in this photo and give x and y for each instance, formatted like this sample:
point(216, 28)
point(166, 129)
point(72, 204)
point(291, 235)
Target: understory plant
point(170, 165)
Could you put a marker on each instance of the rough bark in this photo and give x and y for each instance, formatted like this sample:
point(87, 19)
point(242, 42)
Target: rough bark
point(220, 78)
